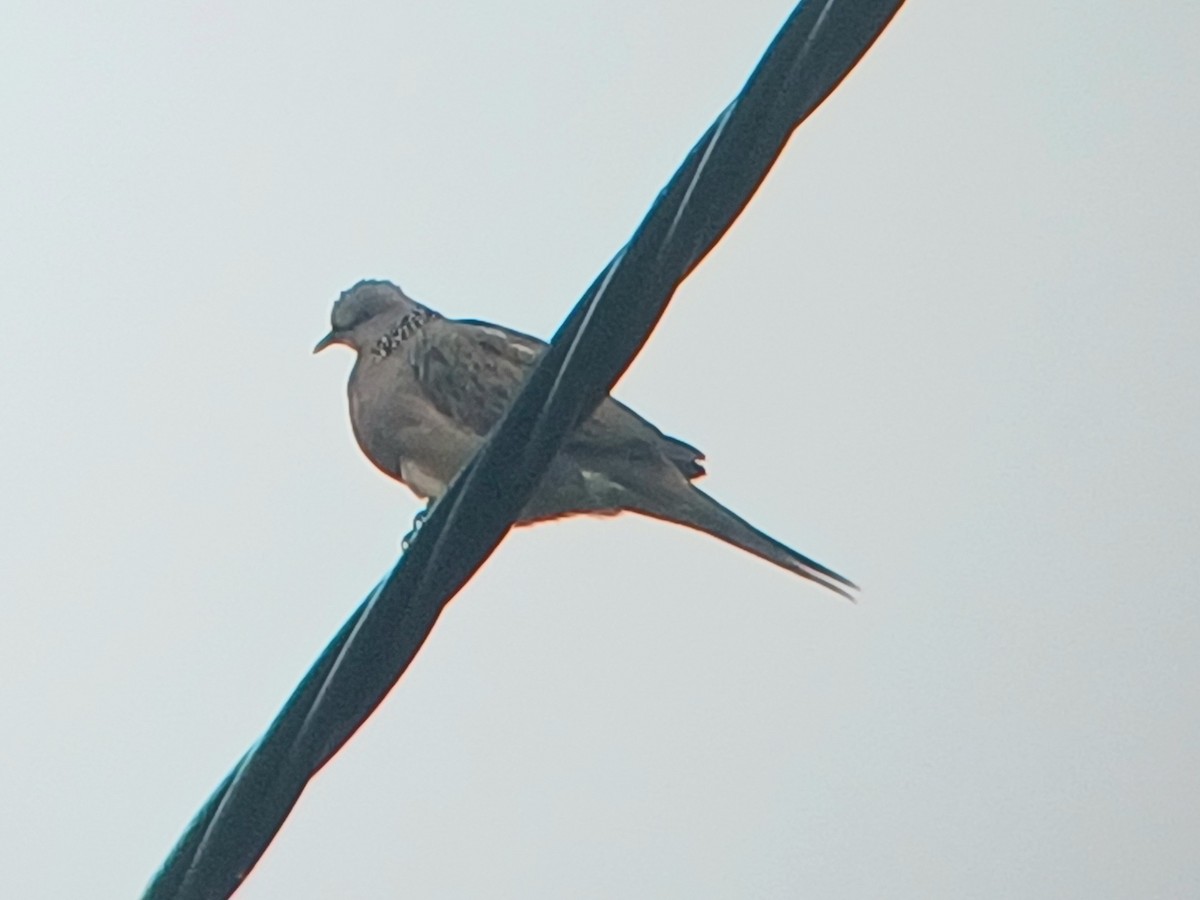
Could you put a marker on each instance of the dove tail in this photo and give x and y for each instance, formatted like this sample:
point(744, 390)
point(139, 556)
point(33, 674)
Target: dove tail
point(696, 509)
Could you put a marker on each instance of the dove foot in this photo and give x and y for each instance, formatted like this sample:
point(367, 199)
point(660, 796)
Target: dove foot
point(418, 521)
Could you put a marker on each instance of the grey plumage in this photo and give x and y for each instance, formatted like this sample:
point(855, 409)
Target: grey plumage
point(426, 390)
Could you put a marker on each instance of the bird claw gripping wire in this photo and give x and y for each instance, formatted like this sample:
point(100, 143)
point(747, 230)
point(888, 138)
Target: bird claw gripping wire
point(418, 521)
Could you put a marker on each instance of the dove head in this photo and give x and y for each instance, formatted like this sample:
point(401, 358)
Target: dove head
point(357, 311)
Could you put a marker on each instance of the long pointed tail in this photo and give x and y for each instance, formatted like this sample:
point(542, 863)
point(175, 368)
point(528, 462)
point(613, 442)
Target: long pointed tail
point(696, 509)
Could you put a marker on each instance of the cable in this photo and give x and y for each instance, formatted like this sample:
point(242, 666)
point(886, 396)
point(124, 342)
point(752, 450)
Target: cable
point(814, 50)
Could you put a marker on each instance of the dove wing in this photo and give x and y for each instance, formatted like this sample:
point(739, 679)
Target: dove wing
point(471, 371)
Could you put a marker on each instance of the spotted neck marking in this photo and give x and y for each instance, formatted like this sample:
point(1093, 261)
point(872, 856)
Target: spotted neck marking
point(409, 324)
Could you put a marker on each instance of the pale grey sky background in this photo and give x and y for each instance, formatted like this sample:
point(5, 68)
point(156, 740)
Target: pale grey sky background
point(950, 350)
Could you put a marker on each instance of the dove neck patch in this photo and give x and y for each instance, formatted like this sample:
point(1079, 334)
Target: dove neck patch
point(408, 325)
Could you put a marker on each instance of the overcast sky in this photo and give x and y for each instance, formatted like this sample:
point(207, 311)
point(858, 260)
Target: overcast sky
point(950, 350)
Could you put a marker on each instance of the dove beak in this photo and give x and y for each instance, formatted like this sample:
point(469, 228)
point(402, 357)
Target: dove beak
point(332, 338)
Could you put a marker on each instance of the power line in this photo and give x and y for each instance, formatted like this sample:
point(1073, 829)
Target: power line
point(813, 51)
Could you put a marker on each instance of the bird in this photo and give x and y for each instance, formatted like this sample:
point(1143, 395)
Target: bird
point(426, 390)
